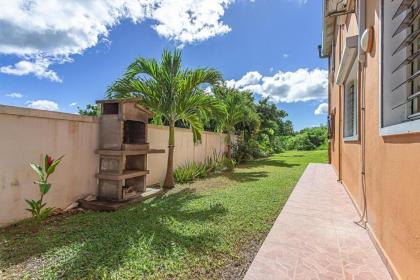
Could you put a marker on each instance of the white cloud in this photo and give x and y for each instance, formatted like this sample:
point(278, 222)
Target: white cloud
point(285, 55)
point(301, 85)
point(189, 21)
point(43, 32)
point(39, 68)
point(322, 109)
point(14, 95)
point(43, 105)
point(250, 78)
point(301, 2)
point(72, 104)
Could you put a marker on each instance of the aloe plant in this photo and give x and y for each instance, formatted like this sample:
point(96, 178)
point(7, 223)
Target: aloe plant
point(38, 208)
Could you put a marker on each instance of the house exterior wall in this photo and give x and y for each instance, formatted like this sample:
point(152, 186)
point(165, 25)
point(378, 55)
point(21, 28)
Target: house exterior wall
point(27, 134)
point(392, 162)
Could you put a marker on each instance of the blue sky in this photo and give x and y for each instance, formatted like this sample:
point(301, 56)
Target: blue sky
point(268, 46)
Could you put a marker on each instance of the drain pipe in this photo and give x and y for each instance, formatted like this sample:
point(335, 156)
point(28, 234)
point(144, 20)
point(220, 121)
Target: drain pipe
point(362, 81)
point(340, 118)
point(329, 98)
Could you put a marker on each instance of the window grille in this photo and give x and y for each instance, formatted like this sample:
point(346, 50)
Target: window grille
point(401, 61)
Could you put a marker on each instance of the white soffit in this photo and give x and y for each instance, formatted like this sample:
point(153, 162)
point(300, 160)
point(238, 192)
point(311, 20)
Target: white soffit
point(347, 60)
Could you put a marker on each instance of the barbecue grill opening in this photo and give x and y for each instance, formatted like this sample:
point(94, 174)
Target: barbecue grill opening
point(134, 132)
point(110, 108)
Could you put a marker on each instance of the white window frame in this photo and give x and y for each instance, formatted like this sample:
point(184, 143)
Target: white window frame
point(408, 127)
point(355, 136)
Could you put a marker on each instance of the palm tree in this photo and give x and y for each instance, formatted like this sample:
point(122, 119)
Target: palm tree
point(240, 109)
point(174, 94)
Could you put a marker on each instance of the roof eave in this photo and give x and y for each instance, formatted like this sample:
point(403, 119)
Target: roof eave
point(328, 28)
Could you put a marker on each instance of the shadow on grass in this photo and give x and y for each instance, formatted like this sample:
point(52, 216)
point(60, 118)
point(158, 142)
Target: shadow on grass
point(243, 174)
point(95, 244)
point(246, 176)
point(268, 162)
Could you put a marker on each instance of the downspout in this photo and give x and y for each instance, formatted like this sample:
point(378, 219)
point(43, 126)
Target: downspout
point(340, 118)
point(329, 95)
point(329, 110)
point(362, 82)
point(340, 135)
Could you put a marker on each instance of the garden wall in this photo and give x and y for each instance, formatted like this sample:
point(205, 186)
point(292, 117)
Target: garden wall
point(27, 134)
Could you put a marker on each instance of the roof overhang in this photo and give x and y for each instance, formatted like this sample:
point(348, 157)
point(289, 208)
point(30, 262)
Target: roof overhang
point(331, 9)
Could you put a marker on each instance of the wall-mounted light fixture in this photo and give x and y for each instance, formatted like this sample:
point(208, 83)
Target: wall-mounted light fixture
point(366, 41)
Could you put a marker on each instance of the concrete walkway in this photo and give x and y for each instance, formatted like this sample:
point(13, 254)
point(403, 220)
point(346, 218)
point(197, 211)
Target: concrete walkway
point(314, 237)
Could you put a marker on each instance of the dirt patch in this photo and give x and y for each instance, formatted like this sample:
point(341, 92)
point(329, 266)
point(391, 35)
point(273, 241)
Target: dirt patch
point(236, 269)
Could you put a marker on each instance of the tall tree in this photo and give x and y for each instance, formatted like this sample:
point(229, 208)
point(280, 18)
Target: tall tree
point(173, 93)
point(240, 110)
point(272, 118)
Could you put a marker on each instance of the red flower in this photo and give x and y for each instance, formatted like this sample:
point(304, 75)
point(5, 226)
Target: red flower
point(50, 161)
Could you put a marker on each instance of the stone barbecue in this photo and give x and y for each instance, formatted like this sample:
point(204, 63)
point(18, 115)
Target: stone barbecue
point(123, 150)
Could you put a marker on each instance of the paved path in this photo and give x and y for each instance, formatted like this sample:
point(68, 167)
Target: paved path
point(314, 237)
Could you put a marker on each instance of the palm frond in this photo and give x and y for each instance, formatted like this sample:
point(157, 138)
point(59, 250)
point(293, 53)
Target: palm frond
point(142, 66)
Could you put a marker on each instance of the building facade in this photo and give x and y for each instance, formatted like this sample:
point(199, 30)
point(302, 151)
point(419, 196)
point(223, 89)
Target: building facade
point(373, 49)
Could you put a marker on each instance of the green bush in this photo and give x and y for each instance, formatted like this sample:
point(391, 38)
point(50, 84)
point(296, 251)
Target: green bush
point(279, 144)
point(307, 139)
point(265, 146)
point(212, 164)
point(215, 163)
point(243, 151)
point(190, 172)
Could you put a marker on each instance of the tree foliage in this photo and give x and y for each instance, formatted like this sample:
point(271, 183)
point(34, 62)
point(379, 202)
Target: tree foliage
point(90, 110)
point(308, 139)
point(175, 94)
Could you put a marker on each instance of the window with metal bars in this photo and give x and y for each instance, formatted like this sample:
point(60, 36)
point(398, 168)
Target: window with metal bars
point(400, 64)
point(350, 110)
point(350, 120)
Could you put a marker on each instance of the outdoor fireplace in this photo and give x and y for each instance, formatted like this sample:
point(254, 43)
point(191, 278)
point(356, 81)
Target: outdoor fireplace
point(123, 150)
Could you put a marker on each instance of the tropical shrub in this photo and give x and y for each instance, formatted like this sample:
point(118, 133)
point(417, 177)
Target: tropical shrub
point(216, 163)
point(189, 172)
point(38, 208)
point(245, 150)
point(265, 145)
point(307, 139)
point(212, 164)
point(240, 110)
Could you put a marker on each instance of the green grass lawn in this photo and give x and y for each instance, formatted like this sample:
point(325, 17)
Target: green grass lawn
point(205, 230)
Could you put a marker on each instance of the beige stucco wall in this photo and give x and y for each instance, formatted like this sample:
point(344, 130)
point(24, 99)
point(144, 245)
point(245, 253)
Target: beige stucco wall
point(27, 134)
point(185, 149)
point(392, 169)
